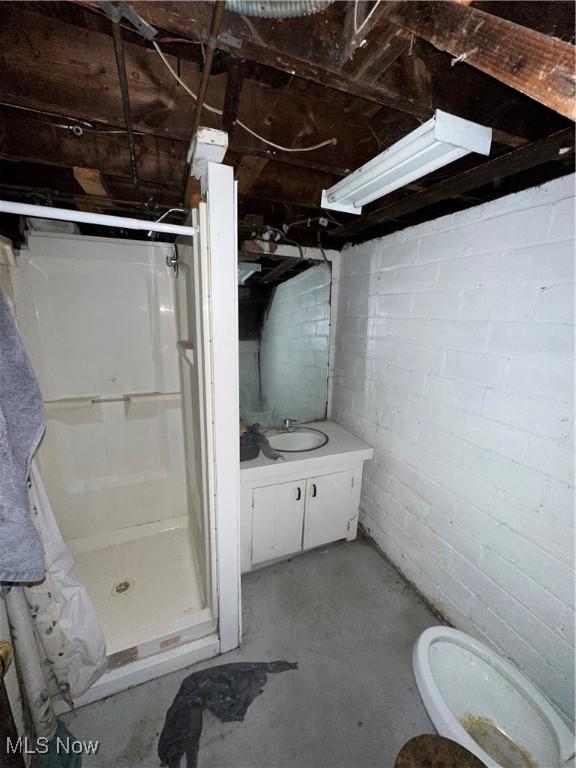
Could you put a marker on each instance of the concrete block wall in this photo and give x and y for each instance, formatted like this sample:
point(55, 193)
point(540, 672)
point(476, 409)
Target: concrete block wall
point(249, 372)
point(294, 347)
point(454, 357)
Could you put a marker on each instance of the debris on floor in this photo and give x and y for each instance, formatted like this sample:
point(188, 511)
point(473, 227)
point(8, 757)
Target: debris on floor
point(58, 753)
point(432, 751)
point(227, 691)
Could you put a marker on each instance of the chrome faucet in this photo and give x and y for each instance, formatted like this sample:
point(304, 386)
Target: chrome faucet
point(288, 424)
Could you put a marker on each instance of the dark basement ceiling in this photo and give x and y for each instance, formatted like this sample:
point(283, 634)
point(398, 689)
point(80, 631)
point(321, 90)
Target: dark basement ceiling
point(297, 82)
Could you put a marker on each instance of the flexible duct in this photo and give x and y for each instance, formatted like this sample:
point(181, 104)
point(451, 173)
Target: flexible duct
point(276, 9)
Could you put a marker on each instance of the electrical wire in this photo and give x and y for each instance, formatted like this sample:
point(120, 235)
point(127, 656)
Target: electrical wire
point(358, 29)
point(78, 126)
point(177, 77)
point(216, 111)
point(282, 236)
point(308, 220)
point(43, 112)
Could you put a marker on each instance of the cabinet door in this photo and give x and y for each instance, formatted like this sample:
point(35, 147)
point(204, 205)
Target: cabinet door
point(277, 520)
point(328, 508)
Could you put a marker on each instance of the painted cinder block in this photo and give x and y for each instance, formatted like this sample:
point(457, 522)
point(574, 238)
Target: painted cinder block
point(544, 266)
point(475, 368)
point(499, 303)
point(457, 394)
point(537, 416)
point(537, 376)
point(555, 304)
point(441, 305)
point(519, 339)
point(471, 492)
point(470, 272)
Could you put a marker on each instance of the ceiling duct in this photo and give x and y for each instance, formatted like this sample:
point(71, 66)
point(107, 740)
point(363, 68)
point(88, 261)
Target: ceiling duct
point(276, 9)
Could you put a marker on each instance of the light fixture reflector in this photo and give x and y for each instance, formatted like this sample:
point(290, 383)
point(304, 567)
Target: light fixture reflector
point(440, 141)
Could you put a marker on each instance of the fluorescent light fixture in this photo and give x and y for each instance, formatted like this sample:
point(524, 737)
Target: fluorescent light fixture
point(246, 269)
point(438, 142)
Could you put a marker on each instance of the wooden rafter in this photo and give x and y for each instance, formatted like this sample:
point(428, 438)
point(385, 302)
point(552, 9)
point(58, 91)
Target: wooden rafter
point(535, 64)
point(529, 156)
point(367, 55)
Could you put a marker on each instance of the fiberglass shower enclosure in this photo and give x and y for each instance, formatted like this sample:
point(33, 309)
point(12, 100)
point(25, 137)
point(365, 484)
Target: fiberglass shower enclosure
point(122, 347)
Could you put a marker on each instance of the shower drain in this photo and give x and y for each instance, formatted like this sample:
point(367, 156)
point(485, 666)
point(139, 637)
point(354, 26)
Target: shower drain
point(122, 587)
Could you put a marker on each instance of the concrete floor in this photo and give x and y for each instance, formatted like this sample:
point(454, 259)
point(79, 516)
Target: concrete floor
point(349, 620)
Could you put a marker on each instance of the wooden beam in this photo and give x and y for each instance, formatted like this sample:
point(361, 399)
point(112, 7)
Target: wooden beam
point(290, 185)
point(535, 64)
point(159, 160)
point(232, 97)
point(245, 48)
point(369, 53)
point(50, 65)
point(553, 147)
point(334, 79)
point(248, 171)
point(61, 192)
point(385, 49)
point(287, 158)
point(90, 180)
point(57, 67)
point(284, 266)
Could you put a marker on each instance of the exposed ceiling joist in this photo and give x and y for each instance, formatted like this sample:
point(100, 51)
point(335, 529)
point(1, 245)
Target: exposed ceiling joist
point(529, 156)
point(296, 82)
point(274, 274)
point(158, 159)
point(368, 53)
point(535, 64)
point(234, 84)
point(322, 74)
point(248, 171)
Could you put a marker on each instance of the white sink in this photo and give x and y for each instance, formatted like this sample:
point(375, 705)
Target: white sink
point(299, 439)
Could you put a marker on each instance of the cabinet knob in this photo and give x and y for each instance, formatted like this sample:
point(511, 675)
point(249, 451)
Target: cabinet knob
point(298, 493)
point(313, 490)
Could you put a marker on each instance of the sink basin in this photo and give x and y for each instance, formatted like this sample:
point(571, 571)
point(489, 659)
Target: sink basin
point(295, 440)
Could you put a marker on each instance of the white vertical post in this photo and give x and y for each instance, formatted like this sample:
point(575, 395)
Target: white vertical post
point(222, 226)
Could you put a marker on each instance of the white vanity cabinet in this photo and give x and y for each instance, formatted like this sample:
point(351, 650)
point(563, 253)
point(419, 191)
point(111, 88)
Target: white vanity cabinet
point(329, 514)
point(277, 520)
point(310, 499)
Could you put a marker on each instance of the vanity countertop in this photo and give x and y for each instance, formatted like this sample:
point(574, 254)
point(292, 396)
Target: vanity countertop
point(342, 446)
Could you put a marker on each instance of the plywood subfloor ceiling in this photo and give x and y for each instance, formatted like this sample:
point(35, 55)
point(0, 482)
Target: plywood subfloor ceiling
point(296, 82)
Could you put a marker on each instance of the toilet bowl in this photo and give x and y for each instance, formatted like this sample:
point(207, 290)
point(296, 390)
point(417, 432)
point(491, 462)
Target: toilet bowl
point(478, 699)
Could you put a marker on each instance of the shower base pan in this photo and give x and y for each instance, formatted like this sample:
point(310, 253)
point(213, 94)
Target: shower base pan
point(147, 595)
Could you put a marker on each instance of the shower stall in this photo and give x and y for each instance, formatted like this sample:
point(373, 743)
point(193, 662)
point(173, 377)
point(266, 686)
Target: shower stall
point(125, 345)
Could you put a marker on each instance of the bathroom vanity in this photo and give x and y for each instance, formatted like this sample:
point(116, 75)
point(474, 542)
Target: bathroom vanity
point(308, 499)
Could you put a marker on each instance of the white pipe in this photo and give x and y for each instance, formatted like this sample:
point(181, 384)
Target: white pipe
point(85, 217)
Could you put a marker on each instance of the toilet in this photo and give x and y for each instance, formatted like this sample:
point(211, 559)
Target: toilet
point(479, 700)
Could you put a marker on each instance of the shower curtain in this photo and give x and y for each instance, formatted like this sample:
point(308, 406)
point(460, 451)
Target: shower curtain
point(59, 645)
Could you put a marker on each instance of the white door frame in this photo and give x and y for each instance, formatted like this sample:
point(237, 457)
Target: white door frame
point(223, 248)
